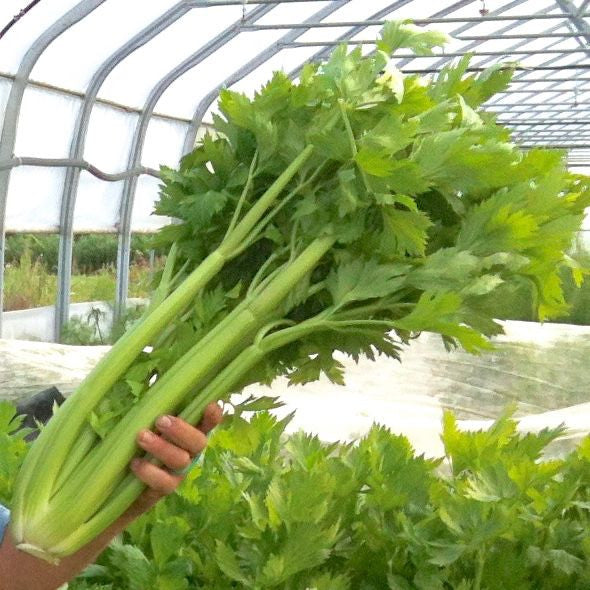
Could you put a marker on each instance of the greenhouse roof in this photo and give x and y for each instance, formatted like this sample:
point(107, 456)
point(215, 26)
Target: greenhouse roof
point(95, 95)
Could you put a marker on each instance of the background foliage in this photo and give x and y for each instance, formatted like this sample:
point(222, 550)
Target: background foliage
point(264, 511)
point(92, 252)
point(30, 278)
point(32, 263)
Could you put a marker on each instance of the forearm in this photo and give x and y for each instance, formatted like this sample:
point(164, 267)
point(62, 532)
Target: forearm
point(21, 571)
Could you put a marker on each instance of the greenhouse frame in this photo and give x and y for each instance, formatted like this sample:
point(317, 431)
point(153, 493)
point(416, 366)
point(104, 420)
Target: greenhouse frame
point(119, 91)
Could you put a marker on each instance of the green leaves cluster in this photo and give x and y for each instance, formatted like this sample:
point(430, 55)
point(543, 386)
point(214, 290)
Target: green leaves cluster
point(13, 448)
point(269, 511)
point(433, 211)
point(434, 215)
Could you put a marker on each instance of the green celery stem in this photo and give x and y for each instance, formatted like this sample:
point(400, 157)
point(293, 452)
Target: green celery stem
point(37, 476)
point(84, 445)
point(47, 456)
point(221, 386)
point(84, 491)
point(132, 487)
point(76, 502)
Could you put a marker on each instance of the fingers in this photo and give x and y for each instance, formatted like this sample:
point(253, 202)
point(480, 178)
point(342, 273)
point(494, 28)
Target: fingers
point(182, 434)
point(170, 455)
point(174, 447)
point(212, 417)
point(159, 480)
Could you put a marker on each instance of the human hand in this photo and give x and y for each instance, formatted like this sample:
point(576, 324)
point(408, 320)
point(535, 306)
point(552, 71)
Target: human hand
point(175, 445)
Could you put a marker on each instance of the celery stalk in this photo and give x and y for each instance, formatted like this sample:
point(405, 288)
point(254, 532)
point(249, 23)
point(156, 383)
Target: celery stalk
point(83, 492)
point(42, 466)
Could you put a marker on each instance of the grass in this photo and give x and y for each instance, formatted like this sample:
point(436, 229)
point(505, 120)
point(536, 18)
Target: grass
point(29, 284)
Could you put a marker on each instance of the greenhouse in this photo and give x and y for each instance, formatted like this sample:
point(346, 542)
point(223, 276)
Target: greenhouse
point(360, 228)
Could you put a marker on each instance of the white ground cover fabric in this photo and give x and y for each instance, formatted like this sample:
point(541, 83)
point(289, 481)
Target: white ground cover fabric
point(543, 368)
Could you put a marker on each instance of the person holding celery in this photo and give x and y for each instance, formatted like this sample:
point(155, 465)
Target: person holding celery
point(175, 445)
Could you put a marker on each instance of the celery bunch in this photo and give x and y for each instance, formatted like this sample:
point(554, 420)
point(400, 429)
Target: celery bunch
point(344, 212)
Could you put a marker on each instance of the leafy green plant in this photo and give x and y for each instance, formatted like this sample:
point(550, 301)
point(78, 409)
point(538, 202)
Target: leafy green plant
point(94, 251)
point(27, 283)
point(517, 301)
point(43, 249)
point(268, 511)
point(13, 448)
point(576, 292)
point(345, 212)
point(89, 330)
point(91, 252)
point(265, 510)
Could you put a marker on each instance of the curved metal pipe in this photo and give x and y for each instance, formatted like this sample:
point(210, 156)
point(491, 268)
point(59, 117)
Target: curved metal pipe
point(13, 107)
point(80, 164)
point(130, 187)
point(72, 180)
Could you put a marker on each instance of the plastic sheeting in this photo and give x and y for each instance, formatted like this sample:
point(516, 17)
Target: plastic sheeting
point(542, 369)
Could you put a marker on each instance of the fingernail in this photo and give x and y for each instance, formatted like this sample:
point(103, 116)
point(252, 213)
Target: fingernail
point(135, 463)
point(146, 436)
point(164, 422)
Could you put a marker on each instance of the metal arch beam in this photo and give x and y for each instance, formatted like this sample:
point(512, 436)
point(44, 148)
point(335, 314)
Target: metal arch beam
point(526, 37)
point(515, 24)
point(520, 116)
point(130, 186)
point(358, 28)
point(466, 27)
point(248, 68)
point(447, 56)
point(541, 68)
point(572, 12)
point(533, 104)
point(72, 181)
point(418, 21)
point(512, 26)
point(384, 12)
point(545, 122)
point(13, 107)
point(548, 132)
point(552, 136)
point(580, 89)
point(558, 146)
point(516, 115)
point(371, 23)
point(548, 80)
point(546, 65)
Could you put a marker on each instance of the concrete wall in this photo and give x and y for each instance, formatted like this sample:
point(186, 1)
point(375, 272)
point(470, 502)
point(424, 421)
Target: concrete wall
point(37, 324)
